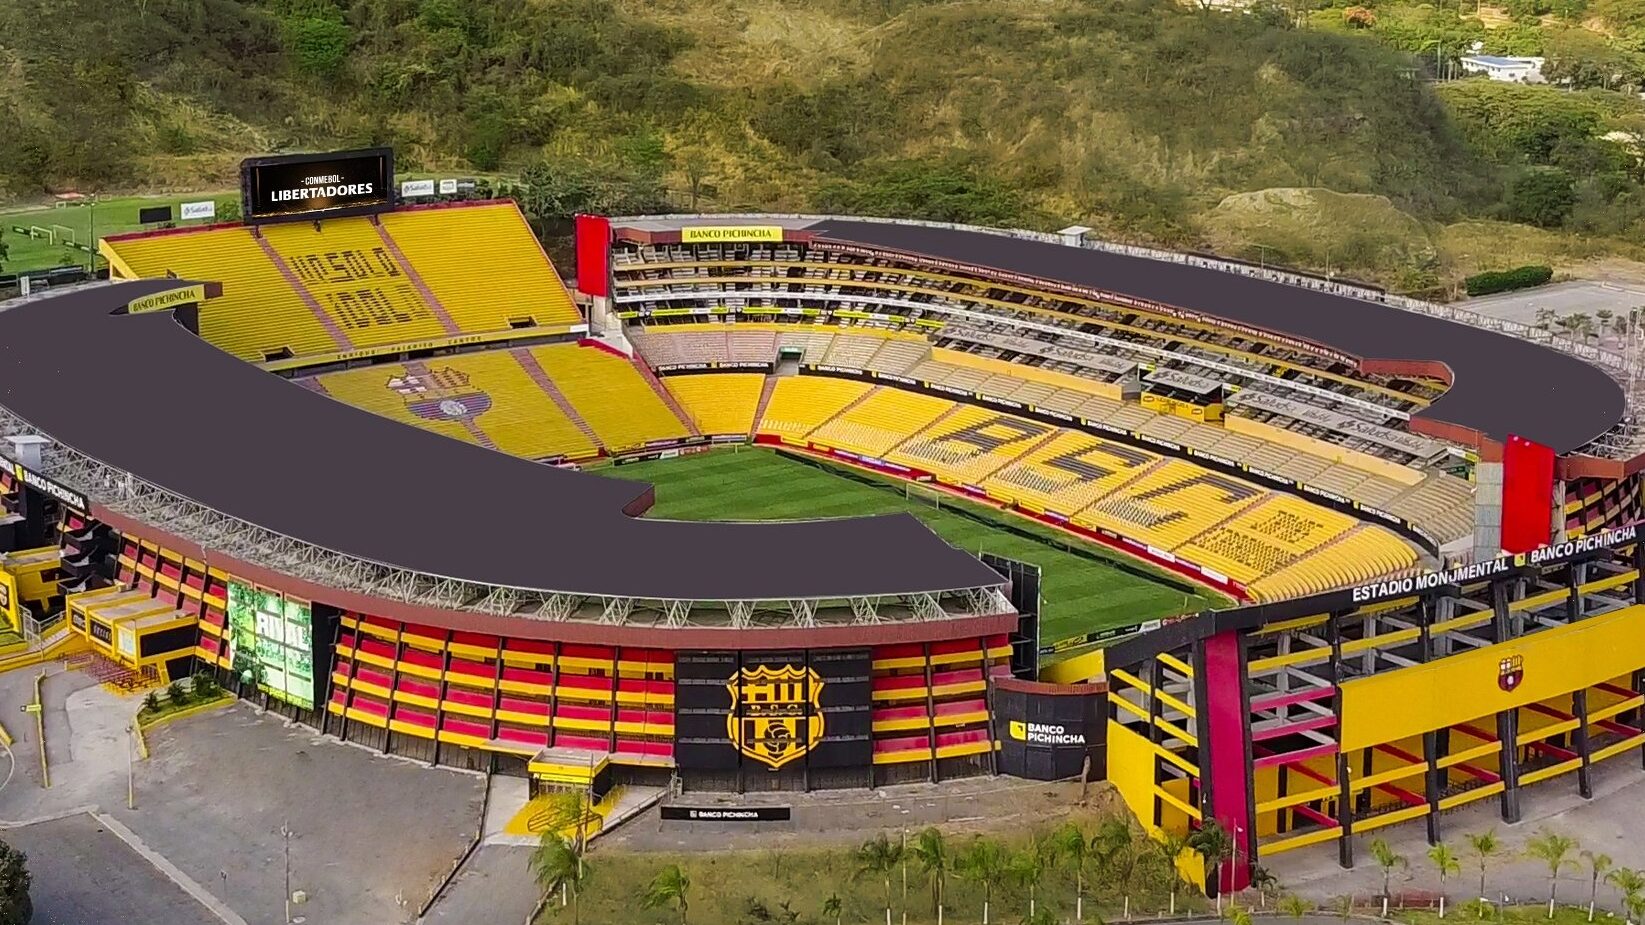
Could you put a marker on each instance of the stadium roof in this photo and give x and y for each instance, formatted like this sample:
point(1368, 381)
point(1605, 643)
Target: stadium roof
point(142, 394)
point(1502, 384)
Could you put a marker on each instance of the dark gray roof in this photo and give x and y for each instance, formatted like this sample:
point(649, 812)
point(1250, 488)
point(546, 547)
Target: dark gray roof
point(1503, 385)
point(141, 393)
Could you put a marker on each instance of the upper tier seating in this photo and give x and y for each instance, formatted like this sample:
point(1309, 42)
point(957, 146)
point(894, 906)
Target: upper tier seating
point(484, 265)
point(291, 290)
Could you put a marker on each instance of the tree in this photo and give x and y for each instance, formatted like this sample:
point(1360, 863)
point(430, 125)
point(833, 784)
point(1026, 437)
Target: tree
point(1387, 859)
point(932, 853)
point(1598, 863)
point(831, 908)
point(1543, 197)
point(1027, 868)
point(671, 886)
point(2, 248)
point(1114, 850)
point(983, 862)
point(557, 862)
point(878, 857)
point(1212, 842)
point(16, 908)
point(1631, 884)
point(318, 44)
point(1171, 846)
point(1484, 847)
point(1073, 851)
point(1446, 864)
point(1553, 850)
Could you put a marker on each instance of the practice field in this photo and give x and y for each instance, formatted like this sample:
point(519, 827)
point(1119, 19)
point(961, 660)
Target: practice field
point(77, 223)
point(1084, 587)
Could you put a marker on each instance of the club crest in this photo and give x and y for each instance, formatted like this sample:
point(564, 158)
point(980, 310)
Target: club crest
point(776, 713)
point(1510, 671)
point(440, 395)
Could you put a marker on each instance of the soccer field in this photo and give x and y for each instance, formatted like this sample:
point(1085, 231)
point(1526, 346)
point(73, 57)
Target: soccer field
point(1081, 591)
point(77, 223)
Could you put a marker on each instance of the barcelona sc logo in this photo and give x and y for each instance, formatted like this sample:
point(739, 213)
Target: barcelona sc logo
point(776, 713)
point(440, 395)
point(1510, 671)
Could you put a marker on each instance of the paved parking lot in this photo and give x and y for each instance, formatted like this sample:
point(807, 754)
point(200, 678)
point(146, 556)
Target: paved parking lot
point(83, 874)
point(371, 836)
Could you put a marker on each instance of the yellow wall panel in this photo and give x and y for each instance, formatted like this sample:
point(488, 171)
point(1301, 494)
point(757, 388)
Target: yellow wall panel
point(1459, 688)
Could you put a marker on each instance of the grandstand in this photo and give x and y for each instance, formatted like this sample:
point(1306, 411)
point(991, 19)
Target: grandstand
point(306, 294)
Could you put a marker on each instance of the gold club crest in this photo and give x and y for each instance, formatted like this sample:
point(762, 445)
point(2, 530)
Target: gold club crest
point(776, 713)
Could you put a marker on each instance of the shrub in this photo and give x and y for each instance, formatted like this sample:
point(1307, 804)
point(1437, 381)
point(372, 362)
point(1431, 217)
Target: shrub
point(1507, 280)
point(15, 905)
point(179, 695)
point(205, 685)
point(151, 702)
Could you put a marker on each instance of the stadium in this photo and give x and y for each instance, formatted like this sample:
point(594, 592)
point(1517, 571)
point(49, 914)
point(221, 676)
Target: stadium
point(371, 460)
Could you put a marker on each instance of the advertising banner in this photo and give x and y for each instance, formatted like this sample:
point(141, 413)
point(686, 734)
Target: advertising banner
point(1046, 732)
point(198, 210)
point(316, 186)
point(171, 298)
point(412, 189)
point(272, 638)
point(448, 187)
point(709, 234)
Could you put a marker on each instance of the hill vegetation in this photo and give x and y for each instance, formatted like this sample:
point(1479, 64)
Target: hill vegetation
point(1147, 119)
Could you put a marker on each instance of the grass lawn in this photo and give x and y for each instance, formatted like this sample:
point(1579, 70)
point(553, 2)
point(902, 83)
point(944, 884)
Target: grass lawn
point(111, 216)
point(734, 887)
point(1080, 592)
point(1511, 915)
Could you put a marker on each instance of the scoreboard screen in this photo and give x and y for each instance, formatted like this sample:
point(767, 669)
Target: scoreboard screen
point(308, 187)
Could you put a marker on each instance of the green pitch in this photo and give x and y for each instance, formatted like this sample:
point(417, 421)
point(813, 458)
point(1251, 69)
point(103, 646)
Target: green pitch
point(106, 217)
point(1080, 593)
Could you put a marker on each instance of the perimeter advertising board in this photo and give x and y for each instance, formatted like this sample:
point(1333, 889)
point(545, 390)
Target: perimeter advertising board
point(1047, 731)
point(310, 187)
point(768, 712)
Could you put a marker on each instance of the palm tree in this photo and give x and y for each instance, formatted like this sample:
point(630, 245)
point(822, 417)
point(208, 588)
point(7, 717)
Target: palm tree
point(1631, 884)
point(1072, 850)
point(983, 861)
point(1387, 859)
point(1114, 850)
point(558, 861)
point(1294, 906)
point(1553, 850)
point(832, 906)
point(1598, 864)
point(879, 856)
point(1027, 868)
point(1212, 842)
point(1171, 846)
point(669, 887)
point(1484, 847)
point(1446, 863)
point(932, 853)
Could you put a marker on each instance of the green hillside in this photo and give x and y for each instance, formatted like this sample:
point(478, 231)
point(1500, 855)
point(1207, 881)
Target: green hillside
point(1150, 120)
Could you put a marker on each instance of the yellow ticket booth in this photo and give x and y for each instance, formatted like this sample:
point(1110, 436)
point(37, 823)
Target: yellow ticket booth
point(134, 630)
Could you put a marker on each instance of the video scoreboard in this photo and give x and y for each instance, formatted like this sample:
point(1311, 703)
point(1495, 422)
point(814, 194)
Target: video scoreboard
point(310, 187)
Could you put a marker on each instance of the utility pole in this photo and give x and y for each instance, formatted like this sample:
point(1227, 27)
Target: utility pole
point(131, 780)
point(285, 835)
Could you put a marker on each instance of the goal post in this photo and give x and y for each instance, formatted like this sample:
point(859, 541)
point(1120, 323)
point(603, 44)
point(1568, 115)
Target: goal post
point(922, 494)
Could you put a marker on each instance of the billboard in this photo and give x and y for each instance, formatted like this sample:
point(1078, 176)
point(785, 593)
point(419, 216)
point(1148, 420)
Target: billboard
point(709, 234)
point(316, 186)
point(1047, 732)
point(272, 638)
point(773, 711)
